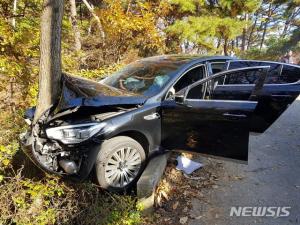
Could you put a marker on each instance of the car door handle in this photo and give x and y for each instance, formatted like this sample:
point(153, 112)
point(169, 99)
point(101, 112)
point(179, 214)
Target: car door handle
point(281, 96)
point(152, 116)
point(233, 115)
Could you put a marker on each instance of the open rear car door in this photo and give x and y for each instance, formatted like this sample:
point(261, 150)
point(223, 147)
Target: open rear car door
point(212, 124)
point(282, 86)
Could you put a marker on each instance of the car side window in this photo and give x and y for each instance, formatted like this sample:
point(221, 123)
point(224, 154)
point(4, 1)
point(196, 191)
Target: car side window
point(277, 74)
point(217, 67)
point(273, 73)
point(289, 74)
point(190, 77)
point(249, 77)
point(214, 89)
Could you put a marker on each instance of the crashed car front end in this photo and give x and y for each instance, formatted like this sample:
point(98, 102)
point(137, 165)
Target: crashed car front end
point(68, 136)
point(64, 150)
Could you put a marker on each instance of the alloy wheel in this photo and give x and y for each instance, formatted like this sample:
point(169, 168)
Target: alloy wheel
point(122, 167)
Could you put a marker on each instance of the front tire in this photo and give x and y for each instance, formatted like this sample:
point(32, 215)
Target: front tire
point(120, 163)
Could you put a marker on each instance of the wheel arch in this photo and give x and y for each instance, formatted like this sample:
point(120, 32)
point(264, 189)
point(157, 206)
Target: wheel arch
point(138, 136)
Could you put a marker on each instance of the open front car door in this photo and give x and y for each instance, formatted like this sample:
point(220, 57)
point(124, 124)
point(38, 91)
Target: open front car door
point(218, 122)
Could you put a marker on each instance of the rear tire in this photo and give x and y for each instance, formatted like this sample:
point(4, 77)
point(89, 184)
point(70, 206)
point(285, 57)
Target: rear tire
point(120, 163)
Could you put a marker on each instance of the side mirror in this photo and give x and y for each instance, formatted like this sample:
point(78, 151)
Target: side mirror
point(171, 94)
point(179, 99)
point(180, 96)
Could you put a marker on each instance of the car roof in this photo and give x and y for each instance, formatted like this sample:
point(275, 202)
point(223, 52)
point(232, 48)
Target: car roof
point(185, 59)
point(264, 61)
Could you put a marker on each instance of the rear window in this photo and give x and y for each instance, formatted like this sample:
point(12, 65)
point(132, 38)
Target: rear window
point(248, 77)
point(272, 78)
point(289, 74)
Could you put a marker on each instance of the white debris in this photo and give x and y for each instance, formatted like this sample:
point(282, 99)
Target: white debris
point(183, 220)
point(186, 165)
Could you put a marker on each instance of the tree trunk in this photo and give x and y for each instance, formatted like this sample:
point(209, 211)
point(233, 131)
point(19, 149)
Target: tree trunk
point(285, 29)
point(99, 24)
point(128, 7)
point(266, 26)
point(232, 45)
point(244, 37)
point(218, 42)
point(251, 32)
point(13, 22)
point(264, 34)
point(50, 56)
point(75, 28)
point(225, 46)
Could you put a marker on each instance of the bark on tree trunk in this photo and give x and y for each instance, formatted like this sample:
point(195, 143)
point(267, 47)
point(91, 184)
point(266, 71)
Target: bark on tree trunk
point(13, 22)
point(75, 28)
point(128, 7)
point(232, 45)
point(266, 26)
point(251, 32)
point(218, 42)
point(99, 24)
point(285, 29)
point(263, 35)
point(244, 37)
point(50, 56)
point(225, 46)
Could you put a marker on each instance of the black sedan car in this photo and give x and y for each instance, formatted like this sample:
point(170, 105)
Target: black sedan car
point(200, 104)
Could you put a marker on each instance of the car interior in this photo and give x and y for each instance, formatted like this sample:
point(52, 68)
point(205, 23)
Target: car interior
point(189, 78)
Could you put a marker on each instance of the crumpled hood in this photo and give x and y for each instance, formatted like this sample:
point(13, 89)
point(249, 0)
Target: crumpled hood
point(77, 91)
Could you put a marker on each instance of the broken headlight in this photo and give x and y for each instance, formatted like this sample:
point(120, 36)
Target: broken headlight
point(72, 134)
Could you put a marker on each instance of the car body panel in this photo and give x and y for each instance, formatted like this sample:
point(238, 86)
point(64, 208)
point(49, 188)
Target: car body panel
point(206, 126)
point(218, 127)
point(203, 127)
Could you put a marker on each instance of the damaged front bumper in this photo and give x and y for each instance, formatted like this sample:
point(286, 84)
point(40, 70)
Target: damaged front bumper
point(77, 170)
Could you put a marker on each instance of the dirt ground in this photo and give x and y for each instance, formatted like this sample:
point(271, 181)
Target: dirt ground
point(177, 191)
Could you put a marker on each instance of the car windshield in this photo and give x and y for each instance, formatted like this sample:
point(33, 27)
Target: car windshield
point(143, 77)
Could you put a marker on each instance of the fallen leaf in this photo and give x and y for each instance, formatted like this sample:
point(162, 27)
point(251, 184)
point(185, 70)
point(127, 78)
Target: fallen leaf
point(238, 178)
point(183, 220)
point(198, 217)
point(195, 217)
point(175, 205)
point(167, 219)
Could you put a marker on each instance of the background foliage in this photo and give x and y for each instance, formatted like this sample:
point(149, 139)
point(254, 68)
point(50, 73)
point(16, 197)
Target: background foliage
point(114, 34)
